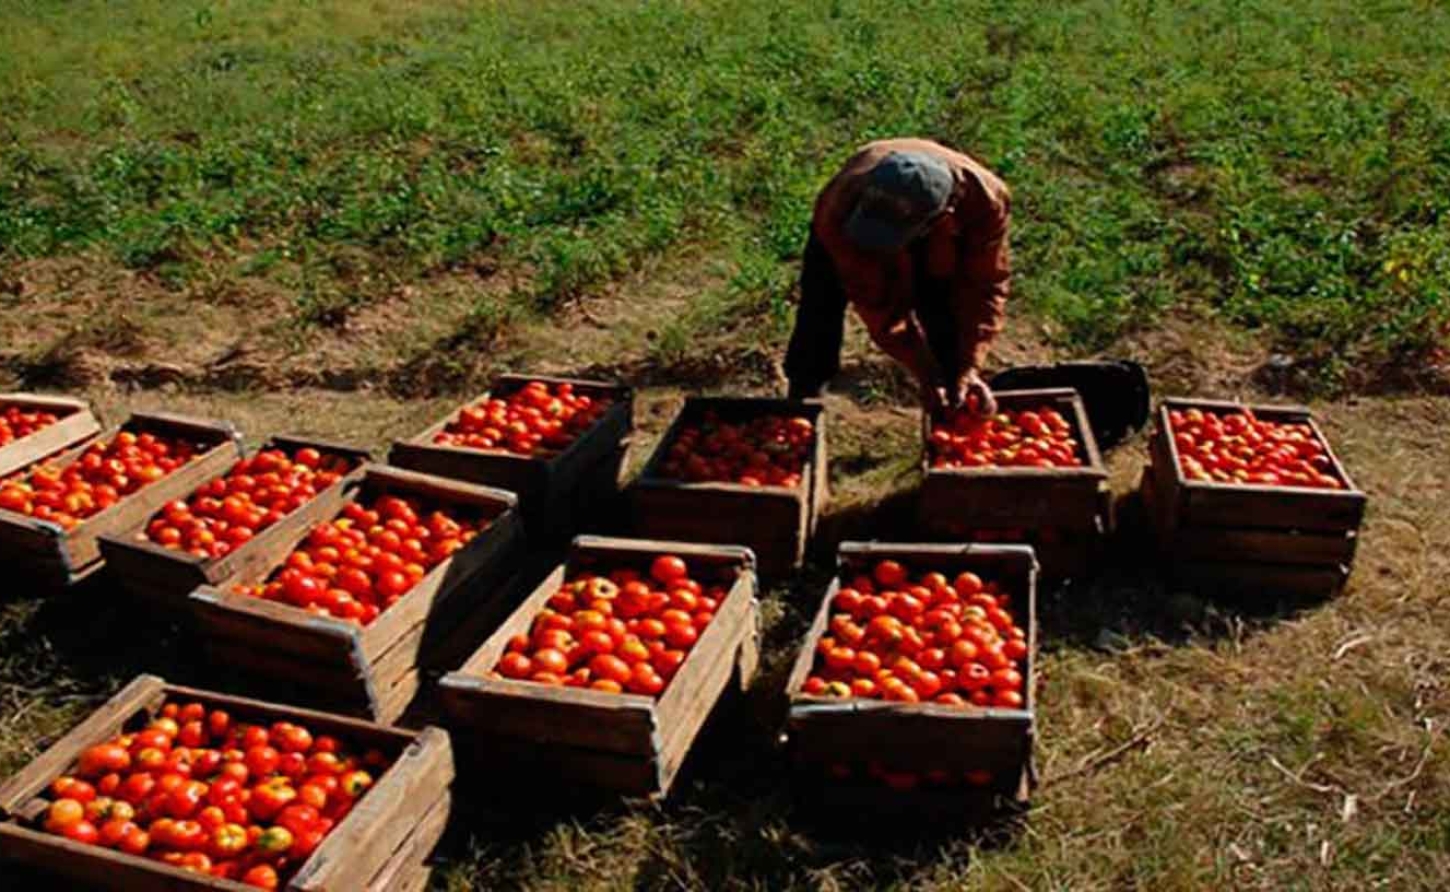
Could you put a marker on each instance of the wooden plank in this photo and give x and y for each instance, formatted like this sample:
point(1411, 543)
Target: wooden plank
point(143, 692)
point(707, 685)
point(407, 863)
point(329, 685)
point(559, 766)
point(357, 849)
point(1195, 544)
point(545, 714)
point(76, 425)
point(691, 695)
point(1296, 580)
point(96, 867)
point(278, 627)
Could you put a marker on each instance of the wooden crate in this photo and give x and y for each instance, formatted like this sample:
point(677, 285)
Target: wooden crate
point(1250, 536)
point(832, 740)
point(380, 846)
point(775, 522)
point(545, 484)
point(75, 425)
point(161, 575)
point(374, 670)
point(1075, 504)
point(620, 743)
point(51, 558)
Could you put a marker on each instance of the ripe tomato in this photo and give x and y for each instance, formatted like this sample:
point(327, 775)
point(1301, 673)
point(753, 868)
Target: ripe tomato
point(102, 759)
point(263, 876)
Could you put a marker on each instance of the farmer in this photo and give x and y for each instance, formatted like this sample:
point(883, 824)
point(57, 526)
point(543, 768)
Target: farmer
point(914, 236)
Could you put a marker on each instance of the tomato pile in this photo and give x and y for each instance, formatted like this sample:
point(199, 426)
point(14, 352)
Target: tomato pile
point(770, 450)
point(202, 792)
point(102, 475)
point(1032, 438)
point(953, 642)
point(626, 631)
point(535, 418)
point(362, 562)
point(1236, 447)
point(256, 493)
point(17, 422)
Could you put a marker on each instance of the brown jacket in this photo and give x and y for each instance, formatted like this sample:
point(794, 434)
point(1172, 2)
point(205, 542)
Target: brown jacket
point(972, 256)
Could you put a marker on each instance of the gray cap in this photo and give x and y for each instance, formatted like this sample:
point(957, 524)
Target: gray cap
point(904, 192)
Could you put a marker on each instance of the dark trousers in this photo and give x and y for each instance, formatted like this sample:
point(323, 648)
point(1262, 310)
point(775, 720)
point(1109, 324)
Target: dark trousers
point(814, 355)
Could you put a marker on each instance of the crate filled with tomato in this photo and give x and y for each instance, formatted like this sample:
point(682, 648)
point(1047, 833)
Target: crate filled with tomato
point(558, 443)
point(913, 692)
point(225, 524)
point(1251, 497)
point(1031, 473)
point(54, 512)
point(173, 788)
point(365, 590)
point(736, 470)
point(35, 427)
point(606, 673)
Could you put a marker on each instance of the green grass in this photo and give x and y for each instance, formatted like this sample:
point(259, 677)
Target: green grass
point(1285, 165)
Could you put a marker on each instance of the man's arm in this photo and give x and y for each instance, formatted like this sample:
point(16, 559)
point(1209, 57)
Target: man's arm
point(984, 282)
point(901, 337)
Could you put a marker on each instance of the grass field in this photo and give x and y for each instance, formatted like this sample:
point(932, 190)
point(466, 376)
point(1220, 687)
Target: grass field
point(339, 216)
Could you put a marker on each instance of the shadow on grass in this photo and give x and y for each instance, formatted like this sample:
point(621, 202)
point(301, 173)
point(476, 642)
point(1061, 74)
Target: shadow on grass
point(104, 638)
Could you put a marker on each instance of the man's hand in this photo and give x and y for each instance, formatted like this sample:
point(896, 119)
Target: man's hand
point(973, 394)
point(934, 398)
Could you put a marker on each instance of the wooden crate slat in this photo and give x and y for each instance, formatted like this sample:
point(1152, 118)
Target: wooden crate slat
point(101, 868)
point(559, 764)
point(1264, 546)
point(405, 868)
point(1300, 580)
point(275, 627)
point(619, 723)
point(683, 718)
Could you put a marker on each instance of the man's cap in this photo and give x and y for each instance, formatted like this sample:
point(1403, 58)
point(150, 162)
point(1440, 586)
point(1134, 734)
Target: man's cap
point(903, 193)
